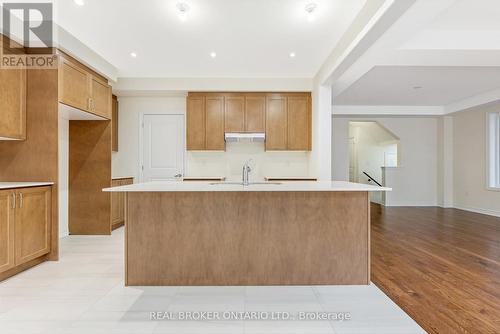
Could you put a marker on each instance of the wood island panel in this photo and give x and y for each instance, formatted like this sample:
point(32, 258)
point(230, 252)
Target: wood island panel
point(247, 238)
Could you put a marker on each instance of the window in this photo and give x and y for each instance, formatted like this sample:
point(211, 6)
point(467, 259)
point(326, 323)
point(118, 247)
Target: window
point(494, 150)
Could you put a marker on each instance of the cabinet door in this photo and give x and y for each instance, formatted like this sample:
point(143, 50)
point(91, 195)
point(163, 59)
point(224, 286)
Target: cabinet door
point(234, 114)
point(32, 223)
point(195, 119)
point(214, 110)
point(298, 121)
point(114, 125)
point(276, 123)
point(101, 98)
point(115, 204)
point(7, 208)
point(121, 204)
point(13, 104)
point(74, 85)
point(255, 114)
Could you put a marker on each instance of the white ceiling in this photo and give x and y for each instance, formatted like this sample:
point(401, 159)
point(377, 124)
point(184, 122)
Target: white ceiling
point(394, 85)
point(252, 38)
point(451, 48)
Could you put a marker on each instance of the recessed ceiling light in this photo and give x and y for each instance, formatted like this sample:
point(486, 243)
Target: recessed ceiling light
point(213, 54)
point(310, 9)
point(183, 9)
point(133, 54)
point(79, 2)
point(292, 55)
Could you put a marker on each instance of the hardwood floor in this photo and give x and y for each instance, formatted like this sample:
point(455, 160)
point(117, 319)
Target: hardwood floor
point(442, 266)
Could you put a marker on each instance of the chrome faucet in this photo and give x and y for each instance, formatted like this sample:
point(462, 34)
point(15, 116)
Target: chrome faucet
point(246, 170)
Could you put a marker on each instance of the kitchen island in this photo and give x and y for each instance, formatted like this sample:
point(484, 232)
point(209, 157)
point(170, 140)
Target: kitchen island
point(202, 233)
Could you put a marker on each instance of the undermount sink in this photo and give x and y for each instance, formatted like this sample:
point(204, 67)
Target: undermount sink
point(241, 183)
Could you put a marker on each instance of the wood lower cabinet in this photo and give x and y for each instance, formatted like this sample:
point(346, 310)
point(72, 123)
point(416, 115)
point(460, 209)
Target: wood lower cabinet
point(82, 88)
point(118, 203)
point(33, 215)
point(7, 209)
point(25, 225)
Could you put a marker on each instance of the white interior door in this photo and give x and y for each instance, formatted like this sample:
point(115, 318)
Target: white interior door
point(162, 147)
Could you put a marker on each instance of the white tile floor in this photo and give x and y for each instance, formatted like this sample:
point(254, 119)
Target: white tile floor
point(84, 293)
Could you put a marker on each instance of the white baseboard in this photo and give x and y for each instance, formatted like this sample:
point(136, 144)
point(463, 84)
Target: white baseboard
point(488, 212)
point(480, 210)
point(411, 204)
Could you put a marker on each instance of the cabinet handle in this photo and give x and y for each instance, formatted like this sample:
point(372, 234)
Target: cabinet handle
point(92, 104)
point(13, 200)
point(20, 200)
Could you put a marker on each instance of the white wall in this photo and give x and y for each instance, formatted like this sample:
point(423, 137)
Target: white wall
point(415, 182)
point(63, 185)
point(125, 162)
point(229, 163)
point(469, 167)
point(370, 154)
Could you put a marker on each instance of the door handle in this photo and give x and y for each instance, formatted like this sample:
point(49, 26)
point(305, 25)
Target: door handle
point(178, 175)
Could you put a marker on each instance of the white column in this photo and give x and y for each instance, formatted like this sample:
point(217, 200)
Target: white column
point(447, 172)
point(321, 155)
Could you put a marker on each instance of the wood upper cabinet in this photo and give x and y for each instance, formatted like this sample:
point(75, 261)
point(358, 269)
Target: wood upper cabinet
point(81, 88)
point(234, 118)
point(245, 113)
point(32, 223)
point(7, 209)
point(100, 97)
point(73, 85)
point(13, 104)
point(114, 124)
point(255, 113)
point(195, 127)
point(288, 122)
point(284, 117)
point(298, 123)
point(276, 122)
point(214, 123)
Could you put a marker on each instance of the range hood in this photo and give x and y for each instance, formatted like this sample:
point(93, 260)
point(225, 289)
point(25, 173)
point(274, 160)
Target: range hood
point(239, 136)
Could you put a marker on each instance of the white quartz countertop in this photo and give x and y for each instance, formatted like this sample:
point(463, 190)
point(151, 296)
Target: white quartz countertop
point(193, 186)
point(13, 185)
